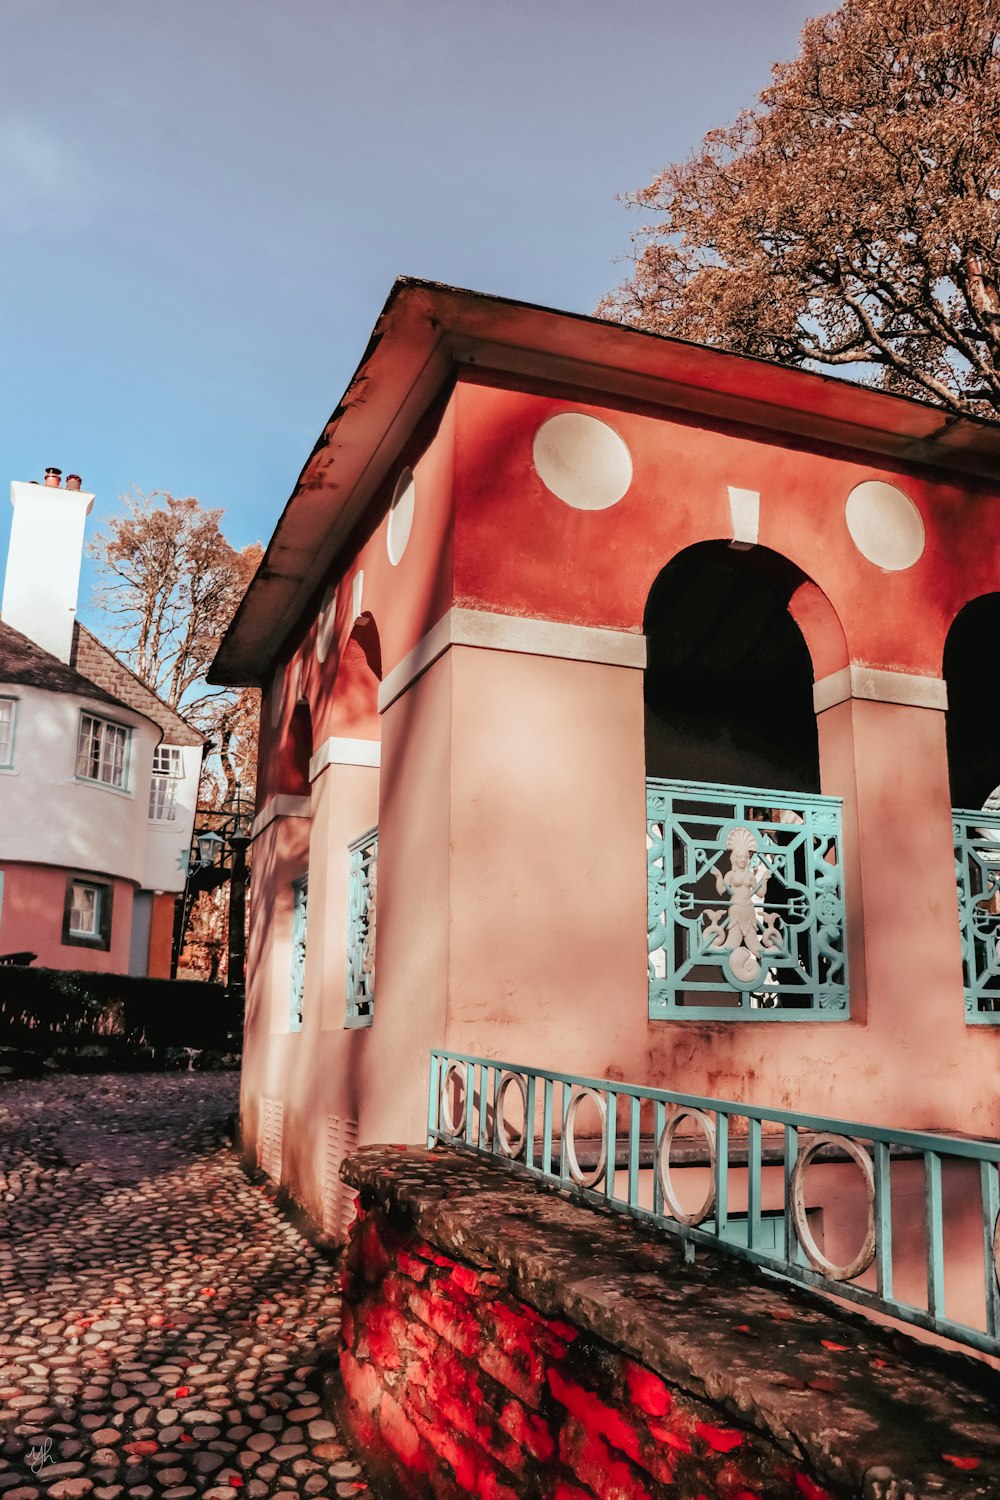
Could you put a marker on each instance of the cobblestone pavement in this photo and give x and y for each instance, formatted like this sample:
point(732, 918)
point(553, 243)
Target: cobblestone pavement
point(158, 1317)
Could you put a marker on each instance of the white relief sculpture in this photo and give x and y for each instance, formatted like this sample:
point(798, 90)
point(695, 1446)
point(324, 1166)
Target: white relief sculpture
point(747, 890)
point(368, 953)
point(713, 933)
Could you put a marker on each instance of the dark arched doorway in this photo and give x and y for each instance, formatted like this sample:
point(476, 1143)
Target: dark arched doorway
point(746, 908)
point(729, 678)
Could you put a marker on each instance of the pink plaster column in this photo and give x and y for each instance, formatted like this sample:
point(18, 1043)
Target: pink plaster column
point(547, 942)
point(889, 762)
point(411, 948)
point(345, 805)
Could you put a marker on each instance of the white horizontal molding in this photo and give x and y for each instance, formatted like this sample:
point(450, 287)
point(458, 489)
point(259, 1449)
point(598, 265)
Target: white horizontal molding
point(283, 805)
point(495, 632)
point(339, 750)
point(879, 686)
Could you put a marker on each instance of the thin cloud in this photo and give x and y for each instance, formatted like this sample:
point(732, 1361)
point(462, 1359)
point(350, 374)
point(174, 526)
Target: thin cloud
point(42, 180)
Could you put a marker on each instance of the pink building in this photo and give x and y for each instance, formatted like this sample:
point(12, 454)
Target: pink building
point(647, 677)
point(98, 777)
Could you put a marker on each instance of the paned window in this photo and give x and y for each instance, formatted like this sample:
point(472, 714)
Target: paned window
point(167, 771)
point(8, 707)
point(102, 752)
point(87, 914)
point(85, 910)
point(300, 898)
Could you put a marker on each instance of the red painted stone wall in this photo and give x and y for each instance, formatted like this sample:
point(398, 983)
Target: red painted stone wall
point(451, 1386)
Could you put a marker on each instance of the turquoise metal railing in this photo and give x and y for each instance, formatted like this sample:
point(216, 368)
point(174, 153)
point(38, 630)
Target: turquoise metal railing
point(361, 899)
point(977, 873)
point(745, 904)
point(769, 1187)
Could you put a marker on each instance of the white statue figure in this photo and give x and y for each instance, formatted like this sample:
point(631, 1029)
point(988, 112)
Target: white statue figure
point(746, 893)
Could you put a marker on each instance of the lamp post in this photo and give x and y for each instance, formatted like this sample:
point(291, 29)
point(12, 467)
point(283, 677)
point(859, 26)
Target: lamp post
point(218, 854)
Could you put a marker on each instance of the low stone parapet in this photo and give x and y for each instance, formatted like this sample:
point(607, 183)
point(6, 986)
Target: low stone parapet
point(503, 1341)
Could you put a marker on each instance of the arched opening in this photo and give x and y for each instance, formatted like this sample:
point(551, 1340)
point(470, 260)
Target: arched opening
point(970, 670)
point(354, 712)
point(744, 863)
point(296, 752)
point(729, 677)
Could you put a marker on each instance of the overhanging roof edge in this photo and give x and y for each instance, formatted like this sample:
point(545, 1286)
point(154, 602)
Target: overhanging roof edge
point(422, 318)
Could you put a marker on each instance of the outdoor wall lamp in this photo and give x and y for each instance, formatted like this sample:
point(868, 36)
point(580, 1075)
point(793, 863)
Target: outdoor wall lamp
point(209, 848)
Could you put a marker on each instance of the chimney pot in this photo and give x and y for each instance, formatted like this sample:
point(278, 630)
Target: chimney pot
point(73, 482)
point(53, 478)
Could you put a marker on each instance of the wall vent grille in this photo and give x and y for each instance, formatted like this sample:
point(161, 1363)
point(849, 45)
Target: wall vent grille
point(338, 1198)
point(269, 1139)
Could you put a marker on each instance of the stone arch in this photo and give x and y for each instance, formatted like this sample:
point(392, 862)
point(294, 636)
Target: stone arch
point(354, 709)
point(736, 639)
point(296, 752)
point(969, 669)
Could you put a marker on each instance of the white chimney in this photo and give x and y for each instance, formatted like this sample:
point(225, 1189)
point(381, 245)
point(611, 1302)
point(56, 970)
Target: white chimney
point(43, 561)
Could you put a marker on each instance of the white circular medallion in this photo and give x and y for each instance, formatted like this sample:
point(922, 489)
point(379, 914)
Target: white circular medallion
point(401, 516)
point(582, 461)
point(277, 697)
point(324, 633)
point(885, 525)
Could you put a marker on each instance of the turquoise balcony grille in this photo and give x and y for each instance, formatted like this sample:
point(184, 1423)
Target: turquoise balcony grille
point(977, 872)
point(363, 882)
point(746, 904)
point(300, 902)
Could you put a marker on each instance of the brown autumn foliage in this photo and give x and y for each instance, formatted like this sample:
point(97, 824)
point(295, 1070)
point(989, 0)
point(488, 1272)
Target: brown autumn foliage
point(852, 218)
point(170, 585)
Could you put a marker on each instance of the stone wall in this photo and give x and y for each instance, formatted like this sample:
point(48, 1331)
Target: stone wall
point(501, 1341)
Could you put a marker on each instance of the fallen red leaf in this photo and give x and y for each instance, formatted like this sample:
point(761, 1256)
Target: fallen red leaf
point(721, 1439)
point(183, 1390)
point(837, 1348)
point(960, 1462)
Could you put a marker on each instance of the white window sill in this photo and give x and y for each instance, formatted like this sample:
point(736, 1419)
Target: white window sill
point(104, 786)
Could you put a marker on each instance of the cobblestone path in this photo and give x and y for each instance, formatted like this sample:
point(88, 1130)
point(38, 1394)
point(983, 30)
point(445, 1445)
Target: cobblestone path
point(158, 1317)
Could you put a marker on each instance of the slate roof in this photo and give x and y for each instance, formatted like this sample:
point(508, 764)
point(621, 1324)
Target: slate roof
point(100, 665)
point(93, 672)
point(23, 661)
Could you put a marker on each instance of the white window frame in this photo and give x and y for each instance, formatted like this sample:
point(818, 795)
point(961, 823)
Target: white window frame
point(104, 735)
point(167, 761)
point(168, 770)
point(93, 931)
point(8, 729)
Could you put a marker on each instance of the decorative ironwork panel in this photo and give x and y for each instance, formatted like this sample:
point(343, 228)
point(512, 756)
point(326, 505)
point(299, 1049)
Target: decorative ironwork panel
point(977, 872)
point(300, 901)
point(362, 892)
point(746, 904)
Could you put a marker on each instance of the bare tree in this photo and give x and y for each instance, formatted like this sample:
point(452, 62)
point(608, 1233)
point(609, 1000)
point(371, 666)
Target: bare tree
point(852, 218)
point(170, 582)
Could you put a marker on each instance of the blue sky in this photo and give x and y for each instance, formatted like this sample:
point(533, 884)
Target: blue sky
point(205, 202)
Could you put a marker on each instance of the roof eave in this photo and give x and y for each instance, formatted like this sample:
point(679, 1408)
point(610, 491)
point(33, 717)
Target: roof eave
point(427, 333)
